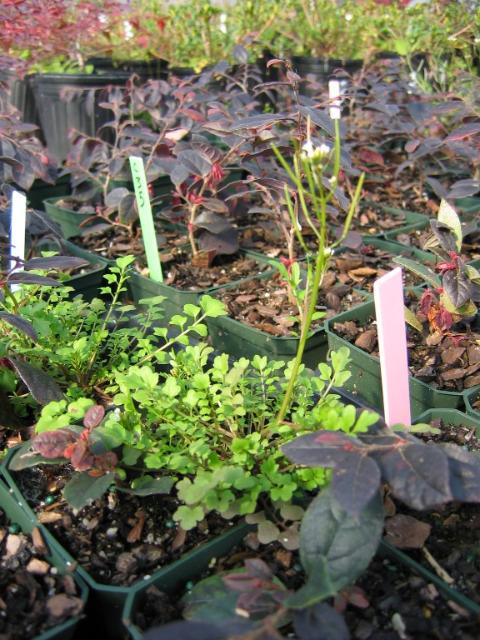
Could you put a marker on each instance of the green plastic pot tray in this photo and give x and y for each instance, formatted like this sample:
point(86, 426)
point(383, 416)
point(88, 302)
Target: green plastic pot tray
point(173, 581)
point(107, 602)
point(366, 380)
point(396, 249)
point(470, 396)
point(241, 340)
point(173, 578)
point(413, 220)
point(141, 287)
point(468, 206)
point(451, 416)
point(18, 515)
point(68, 220)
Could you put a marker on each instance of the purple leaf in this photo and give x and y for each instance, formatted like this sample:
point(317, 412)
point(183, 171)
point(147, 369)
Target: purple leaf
point(320, 622)
point(418, 475)
point(212, 222)
point(322, 449)
point(94, 416)
point(355, 483)
point(19, 323)
point(52, 444)
point(465, 131)
point(58, 263)
point(41, 386)
point(22, 277)
point(224, 243)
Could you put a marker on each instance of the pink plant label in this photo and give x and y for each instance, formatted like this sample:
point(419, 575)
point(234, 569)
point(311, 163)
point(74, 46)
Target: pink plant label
point(392, 341)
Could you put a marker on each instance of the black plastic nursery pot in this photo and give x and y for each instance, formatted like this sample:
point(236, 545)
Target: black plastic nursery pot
point(64, 102)
point(41, 191)
point(365, 368)
point(321, 69)
point(18, 515)
point(107, 602)
point(155, 68)
point(173, 578)
point(21, 95)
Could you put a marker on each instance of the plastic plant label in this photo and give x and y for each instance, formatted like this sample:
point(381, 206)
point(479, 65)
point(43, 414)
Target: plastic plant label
point(392, 341)
point(146, 218)
point(17, 233)
point(335, 97)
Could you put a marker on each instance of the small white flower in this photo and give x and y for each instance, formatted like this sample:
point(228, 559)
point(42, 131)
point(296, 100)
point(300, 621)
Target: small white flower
point(348, 17)
point(323, 149)
point(315, 153)
point(333, 182)
point(308, 149)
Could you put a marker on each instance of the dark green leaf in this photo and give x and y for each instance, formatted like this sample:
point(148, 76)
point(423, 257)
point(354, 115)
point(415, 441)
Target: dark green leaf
point(82, 488)
point(335, 547)
point(211, 601)
point(25, 457)
point(152, 486)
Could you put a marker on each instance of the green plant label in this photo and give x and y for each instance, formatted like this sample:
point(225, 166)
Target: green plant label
point(146, 218)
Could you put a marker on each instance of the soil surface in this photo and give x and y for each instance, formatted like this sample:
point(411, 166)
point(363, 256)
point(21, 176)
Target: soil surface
point(450, 362)
point(372, 220)
point(265, 236)
point(33, 597)
point(119, 538)
point(361, 268)
point(111, 242)
point(264, 303)
point(386, 598)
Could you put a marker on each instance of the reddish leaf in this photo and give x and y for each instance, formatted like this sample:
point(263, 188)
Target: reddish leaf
point(406, 532)
point(370, 156)
point(465, 131)
point(81, 456)
point(94, 416)
point(52, 444)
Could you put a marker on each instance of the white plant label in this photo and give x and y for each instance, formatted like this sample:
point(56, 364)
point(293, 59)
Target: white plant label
point(17, 233)
point(335, 97)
